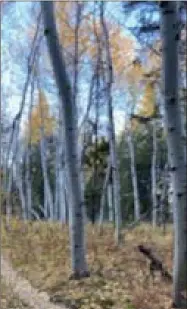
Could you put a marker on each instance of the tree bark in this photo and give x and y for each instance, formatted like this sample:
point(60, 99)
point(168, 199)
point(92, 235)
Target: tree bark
point(110, 202)
point(134, 176)
point(176, 147)
point(19, 182)
point(111, 130)
point(154, 177)
point(47, 189)
point(60, 203)
point(28, 181)
point(76, 217)
point(163, 197)
point(103, 195)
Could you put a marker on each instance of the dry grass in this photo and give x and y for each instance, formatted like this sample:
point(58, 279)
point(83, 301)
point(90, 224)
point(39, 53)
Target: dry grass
point(119, 279)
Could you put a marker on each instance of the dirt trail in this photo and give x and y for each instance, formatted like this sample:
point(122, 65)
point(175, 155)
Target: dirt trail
point(23, 289)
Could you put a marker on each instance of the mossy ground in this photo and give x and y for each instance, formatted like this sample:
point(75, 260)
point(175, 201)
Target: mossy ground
point(120, 276)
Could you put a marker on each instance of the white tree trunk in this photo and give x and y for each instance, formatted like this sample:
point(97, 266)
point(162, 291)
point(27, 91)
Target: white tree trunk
point(163, 209)
point(28, 180)
point(9, 171)
point(115, 173)
point(111, 130)
point(19, 182)
point(103, 194)
point(154, 177)
point(28, 183)
point(76, 213)
point(47, 189)
point(134, 175)
point(62, 197)
point(60, 208)
point(57, 180)
point(59, 205)
point(48, 196)
point(110, 202)
point(176, 147)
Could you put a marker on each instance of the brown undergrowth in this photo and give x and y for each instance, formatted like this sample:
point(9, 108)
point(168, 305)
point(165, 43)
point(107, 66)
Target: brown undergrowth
point(120, 276)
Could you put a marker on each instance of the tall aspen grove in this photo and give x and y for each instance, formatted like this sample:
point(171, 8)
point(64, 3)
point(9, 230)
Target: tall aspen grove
point(93, 186)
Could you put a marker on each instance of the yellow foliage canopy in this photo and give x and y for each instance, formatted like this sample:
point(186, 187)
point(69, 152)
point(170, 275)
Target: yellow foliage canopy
point(134, 74)
point(147, 104)
point(122, 47)
point(40, 118)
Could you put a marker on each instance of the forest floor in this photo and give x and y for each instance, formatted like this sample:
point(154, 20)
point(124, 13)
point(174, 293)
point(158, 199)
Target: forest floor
point(17, 292)
point(9, 299)
point(120, 276)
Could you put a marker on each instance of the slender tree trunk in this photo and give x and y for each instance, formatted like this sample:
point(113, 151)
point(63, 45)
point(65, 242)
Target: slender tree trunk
point(62, 197)
point(9, 176)
point(60, 187)
point(154, 177)
point(111, 130)
point(76, 214)
point(163, 208)
point(110, 202)
point(176, 147)
point(57, 180)
point(79, 9)
point(19, 181)
point(28, 182)
point(48, 196)
point(103, 194)
point(47, 190)
point(134, 176)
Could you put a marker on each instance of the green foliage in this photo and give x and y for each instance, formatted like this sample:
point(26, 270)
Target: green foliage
point(95, 162)
point(142, 138)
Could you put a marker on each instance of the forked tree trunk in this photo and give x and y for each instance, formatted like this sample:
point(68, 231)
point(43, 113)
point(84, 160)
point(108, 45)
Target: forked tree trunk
point(176, 147)
point(76, 217)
